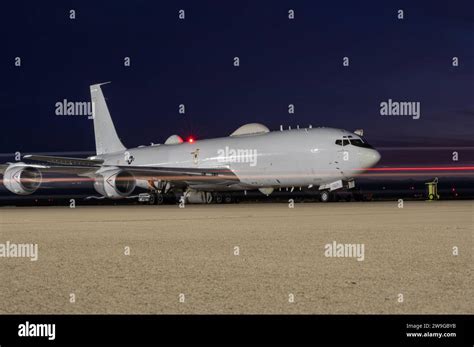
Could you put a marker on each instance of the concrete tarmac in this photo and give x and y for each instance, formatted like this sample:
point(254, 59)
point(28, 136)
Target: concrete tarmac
point(245, 258)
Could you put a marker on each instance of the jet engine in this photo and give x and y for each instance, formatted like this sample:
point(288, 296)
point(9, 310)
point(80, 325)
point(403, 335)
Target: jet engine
point(114, 183)
point(22, 179)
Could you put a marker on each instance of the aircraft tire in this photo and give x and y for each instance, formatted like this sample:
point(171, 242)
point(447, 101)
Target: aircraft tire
point(152, 199)
point(159, 199)
point(218, 198)
point(324, 196)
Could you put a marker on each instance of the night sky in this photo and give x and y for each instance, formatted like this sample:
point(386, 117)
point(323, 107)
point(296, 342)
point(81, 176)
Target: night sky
point(190, 62)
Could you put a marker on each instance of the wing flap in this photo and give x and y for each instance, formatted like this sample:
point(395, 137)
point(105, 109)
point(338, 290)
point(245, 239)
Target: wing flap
point(63, 160)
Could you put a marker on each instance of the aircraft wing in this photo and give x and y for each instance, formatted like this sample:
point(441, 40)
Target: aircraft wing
point(189, 176)
point(64, 160)
point(78, 170)
point(66, 165)
point(87, 167)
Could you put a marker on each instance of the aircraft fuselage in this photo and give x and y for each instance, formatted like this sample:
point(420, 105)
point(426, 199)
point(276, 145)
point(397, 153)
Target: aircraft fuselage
point(299, 157)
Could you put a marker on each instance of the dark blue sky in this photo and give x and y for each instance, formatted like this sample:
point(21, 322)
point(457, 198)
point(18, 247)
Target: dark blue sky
point(191, 62)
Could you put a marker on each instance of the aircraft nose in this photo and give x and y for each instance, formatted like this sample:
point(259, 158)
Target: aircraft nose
point(369, 158)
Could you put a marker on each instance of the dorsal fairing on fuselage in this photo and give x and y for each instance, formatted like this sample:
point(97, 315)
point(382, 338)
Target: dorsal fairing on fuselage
point(250, 129)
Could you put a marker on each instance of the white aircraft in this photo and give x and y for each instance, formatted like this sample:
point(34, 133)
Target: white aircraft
point(251, 158)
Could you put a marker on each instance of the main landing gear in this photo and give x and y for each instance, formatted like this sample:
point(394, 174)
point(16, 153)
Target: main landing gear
point(325, 196)
point(220, 198)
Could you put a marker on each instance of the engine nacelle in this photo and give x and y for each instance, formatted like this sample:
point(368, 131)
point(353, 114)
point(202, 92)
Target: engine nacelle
point(114, 183)
point(152, 184)
point(22, 179)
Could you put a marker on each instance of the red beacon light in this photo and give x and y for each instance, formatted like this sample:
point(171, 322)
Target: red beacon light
point(190, 139)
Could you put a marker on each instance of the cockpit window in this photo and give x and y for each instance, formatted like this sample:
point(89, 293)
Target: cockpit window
point(342, 142)
point(360, 143)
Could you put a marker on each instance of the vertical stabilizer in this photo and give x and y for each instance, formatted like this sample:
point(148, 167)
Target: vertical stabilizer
point(106, 139)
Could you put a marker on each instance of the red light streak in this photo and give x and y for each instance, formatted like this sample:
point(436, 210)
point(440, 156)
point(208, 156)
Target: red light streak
point(433, 168)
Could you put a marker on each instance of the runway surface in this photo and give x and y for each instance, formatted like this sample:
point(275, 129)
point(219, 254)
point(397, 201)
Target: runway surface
point(191, 251)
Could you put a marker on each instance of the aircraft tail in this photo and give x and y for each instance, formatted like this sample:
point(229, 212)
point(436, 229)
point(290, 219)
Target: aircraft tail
point(106, 139)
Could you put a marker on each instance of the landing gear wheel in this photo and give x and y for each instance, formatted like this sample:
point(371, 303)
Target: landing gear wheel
point(152, 199)
point(218, 198)
point(227, 199)
point(159, 199)
point(324, 197)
